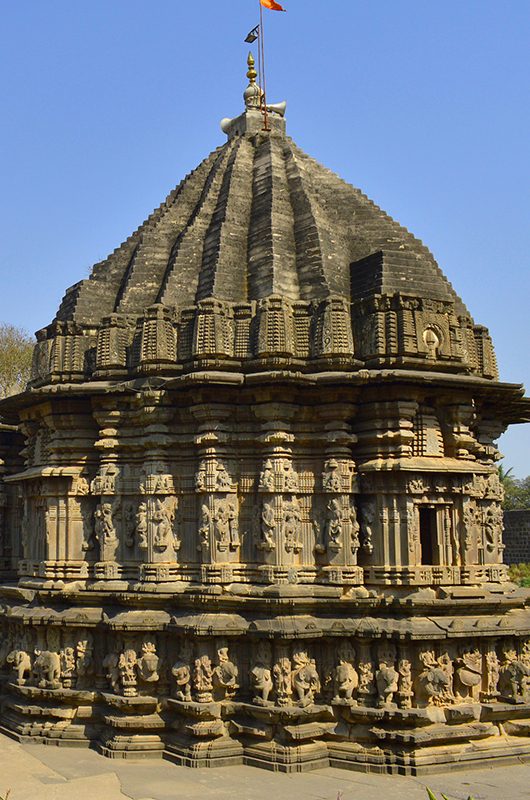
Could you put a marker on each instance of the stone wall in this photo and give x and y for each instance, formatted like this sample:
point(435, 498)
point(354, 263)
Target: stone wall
point(517, 536)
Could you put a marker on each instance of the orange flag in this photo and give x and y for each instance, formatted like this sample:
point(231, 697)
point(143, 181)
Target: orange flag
point(272, 4)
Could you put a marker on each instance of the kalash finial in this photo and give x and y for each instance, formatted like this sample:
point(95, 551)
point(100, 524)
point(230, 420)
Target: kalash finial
point(252, 94)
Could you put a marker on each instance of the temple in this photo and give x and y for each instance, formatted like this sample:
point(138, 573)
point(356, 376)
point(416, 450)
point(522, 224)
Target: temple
point(250, 505)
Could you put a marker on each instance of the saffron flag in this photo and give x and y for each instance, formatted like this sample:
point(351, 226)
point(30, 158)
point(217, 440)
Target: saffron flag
point(272, 4)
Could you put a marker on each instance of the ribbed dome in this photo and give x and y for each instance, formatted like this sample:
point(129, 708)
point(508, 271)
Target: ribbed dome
point(262, 258)
point(257, 217)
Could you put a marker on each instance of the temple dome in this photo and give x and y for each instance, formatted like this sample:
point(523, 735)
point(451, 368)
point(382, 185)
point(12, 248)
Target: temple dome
point(285, 259)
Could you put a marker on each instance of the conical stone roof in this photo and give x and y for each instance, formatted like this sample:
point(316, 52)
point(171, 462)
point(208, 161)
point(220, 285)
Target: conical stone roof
point(286, 261)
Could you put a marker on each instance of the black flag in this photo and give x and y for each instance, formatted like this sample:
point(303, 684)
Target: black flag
point(253, 35)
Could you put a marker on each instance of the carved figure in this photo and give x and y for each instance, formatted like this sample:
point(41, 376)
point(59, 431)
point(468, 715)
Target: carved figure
point(492, 528)
point(267, 527)
point(331, 477)
point(224, 525)
point(141, 526)
point(291, 526)
point(148, 663)
point(281, 676)
point(354, 530)
point(492, 673)
point(387, 676)
point(305, 678)
point(261, 675)
point(291, 482)
point(20, 662)
point(84, 663)
point(68, 664)
point(345, 677)
point(162, 519)
point(47, 669)
point(513, 676)
point(365, 668)
point(333, 525)
point(223, 481)
point(406, 691)
point(204, 528)
point(181, 671)
point(434, 680)
point(367, 521)
point(110, 665)
point(266, 478)
point(127, 665)
point(225, 676)
point(104, 528)
point(203, 679)
point(469, 674)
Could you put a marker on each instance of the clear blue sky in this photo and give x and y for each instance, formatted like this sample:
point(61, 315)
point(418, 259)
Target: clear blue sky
point(107, 104)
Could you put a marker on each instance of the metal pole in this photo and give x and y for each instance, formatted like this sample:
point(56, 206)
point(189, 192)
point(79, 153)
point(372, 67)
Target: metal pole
point(262, 42)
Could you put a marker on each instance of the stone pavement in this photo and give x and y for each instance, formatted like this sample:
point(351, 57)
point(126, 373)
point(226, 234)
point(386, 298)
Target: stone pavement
point(36, 772)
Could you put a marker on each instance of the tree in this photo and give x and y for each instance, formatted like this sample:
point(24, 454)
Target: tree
point(16, 350)
point(516, 490)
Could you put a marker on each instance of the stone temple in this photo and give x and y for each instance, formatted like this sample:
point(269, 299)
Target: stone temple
point(250, 505)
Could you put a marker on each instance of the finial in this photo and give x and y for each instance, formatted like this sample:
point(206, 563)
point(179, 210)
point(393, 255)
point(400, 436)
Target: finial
point(251, 74)
point(253, 93)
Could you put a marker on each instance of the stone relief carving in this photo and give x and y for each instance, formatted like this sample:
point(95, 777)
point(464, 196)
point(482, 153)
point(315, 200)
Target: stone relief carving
point(182, 672)
point(203, 679)
point(305, 678)
point(513, 675)
point(261, 674)
point(386, 676)
point(267, 527)
point(292, 526)
point(368, 513)
point(105, 531)
point(224, 676)
point(331, 477)
point(468, 674)
point(345, 676)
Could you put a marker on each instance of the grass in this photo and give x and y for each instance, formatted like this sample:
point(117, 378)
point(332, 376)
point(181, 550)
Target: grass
point(520, 573)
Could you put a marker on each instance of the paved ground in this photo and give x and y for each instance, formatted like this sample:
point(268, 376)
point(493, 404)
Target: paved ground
point(36, 772)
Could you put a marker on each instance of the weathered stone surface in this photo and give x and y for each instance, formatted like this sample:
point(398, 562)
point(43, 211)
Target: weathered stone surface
point(256, 517)
point(517, 536)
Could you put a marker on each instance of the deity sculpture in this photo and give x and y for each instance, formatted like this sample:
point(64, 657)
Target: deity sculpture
point(148, 663)
point(305, 678)
point(513, 676)
point(141, 526)
point(224, 677)
point(469, 673)
point(267, 526)
point(435, 679)
point(345, 677)
point(281, 676)
point(386, 676)
point(182, 672)
point(203, 679)
point(261, 675)
point(291, 526)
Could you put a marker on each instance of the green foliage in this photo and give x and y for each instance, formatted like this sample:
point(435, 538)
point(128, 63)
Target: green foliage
point(520, 573)
point(16, 350)
point(517, 493)
point(432, 796)
point(516, 490)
